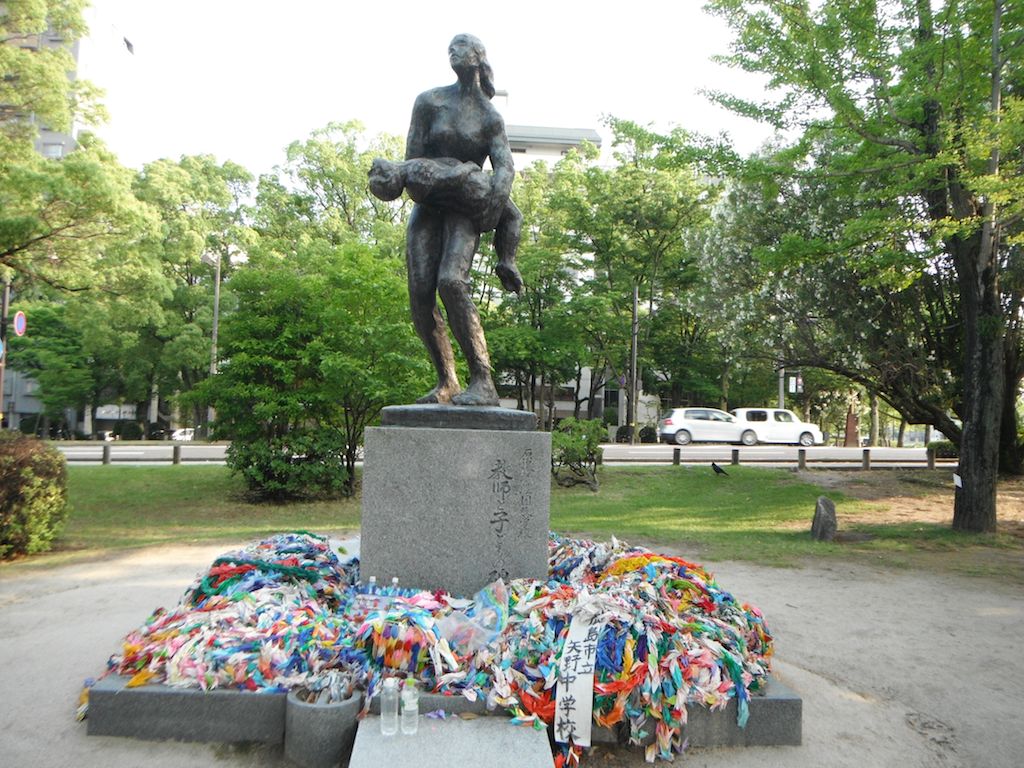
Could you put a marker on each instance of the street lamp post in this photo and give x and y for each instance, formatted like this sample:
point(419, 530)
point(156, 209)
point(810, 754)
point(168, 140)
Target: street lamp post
point(5, 302)
point(215, 260)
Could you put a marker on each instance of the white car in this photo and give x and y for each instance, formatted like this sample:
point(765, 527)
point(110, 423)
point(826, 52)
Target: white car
point(775, 425)
point(695, 425)
point(185, 434)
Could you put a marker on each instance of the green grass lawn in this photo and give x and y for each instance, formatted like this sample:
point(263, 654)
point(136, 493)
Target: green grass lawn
point(119, 507)
point(753, 514)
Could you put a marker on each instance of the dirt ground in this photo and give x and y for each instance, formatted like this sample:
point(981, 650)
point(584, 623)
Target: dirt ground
point(902, 667)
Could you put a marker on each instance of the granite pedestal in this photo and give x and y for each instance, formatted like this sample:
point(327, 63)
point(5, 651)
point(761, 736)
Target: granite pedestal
point(451, 502)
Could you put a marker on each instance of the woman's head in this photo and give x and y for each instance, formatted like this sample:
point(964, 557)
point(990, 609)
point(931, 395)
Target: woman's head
point(468, 51)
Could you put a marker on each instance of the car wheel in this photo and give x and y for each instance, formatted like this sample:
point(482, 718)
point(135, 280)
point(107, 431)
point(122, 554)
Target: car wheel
point(683, 437)
point(749, 437)
point(806, 439)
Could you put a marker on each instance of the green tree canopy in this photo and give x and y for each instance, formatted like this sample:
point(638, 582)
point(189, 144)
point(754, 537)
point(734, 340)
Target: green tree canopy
point(917, 105)
point(320, 342)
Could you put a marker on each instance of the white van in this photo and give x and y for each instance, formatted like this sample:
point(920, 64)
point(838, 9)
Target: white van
point(776, 425)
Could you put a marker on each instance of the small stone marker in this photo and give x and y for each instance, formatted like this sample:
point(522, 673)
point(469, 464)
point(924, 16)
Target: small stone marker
point(824, 526)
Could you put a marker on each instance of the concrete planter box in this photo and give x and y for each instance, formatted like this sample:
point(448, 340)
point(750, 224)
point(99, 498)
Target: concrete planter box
point(320, 735)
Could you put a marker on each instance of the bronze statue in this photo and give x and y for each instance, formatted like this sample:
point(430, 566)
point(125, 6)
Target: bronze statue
point(454, 129)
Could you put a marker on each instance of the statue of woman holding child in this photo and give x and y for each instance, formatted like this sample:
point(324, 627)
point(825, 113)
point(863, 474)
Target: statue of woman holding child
point(454, 130)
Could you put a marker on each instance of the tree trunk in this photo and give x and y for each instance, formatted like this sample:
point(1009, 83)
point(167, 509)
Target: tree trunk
point(1011, 457)
point(723, 402)
point(576, 399)
point(974, 508)
point(873, 434)
point(984, 361)
point(902, 433)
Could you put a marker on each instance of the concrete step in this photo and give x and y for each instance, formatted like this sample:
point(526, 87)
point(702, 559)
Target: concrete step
point(489, 741)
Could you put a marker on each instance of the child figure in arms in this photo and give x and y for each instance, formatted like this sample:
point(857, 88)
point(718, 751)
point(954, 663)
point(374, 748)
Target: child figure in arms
point(444, 182)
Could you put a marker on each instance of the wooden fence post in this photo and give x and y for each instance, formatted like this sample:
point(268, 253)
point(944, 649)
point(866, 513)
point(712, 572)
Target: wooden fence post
point(801, 455)
point(735, 456)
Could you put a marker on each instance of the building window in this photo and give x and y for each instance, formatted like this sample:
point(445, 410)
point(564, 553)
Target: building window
point(53, 150)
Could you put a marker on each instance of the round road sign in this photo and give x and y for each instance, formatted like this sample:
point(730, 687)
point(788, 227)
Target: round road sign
point(19, 323)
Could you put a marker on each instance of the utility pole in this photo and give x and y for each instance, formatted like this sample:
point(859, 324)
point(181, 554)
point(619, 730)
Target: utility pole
point(633, 388)
point(5, 303)
point(210, 413)
point(782, 387)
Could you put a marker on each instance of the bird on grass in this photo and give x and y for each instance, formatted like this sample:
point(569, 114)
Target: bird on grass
point(718, 469)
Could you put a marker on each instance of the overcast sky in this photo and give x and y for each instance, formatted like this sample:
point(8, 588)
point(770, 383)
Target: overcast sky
point(241, 79)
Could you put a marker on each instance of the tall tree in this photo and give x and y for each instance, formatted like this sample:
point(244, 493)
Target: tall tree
point(630, 223)
point(200, 204)
point(57, 217)
point(321, 341)
point(923, 97)
point(323, 184)
point(530, 340)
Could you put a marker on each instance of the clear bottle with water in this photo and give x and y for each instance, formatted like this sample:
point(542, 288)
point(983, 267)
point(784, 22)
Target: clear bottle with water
point(410, 708)
point(389, 707)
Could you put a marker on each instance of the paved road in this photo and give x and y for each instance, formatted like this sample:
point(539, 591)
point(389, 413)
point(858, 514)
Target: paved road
point(199, 452)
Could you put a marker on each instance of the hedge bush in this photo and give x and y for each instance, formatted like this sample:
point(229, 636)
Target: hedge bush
point(944, 449)
point(648, 434)
point(128, 430)
point(33, 494)
point(304, 464)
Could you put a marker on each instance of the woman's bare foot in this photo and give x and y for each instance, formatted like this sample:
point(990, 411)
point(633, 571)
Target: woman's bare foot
point(480, 392)
point(442, 393)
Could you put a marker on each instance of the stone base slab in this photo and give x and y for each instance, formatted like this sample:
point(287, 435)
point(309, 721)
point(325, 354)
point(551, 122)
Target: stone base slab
point(153, 712)
point(458, 417)
point(454, 509)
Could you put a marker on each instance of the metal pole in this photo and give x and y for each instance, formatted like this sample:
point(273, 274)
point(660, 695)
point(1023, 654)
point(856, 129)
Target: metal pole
point(632, 367)
point(736, 456)
point(5, 302)
point(210, 413)
point(782, 387)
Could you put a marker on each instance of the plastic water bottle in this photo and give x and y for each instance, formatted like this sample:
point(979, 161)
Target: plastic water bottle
point(389, 707)
point(410, 708)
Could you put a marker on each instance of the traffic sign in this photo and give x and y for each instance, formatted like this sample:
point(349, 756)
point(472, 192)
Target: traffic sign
point(20, 323)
